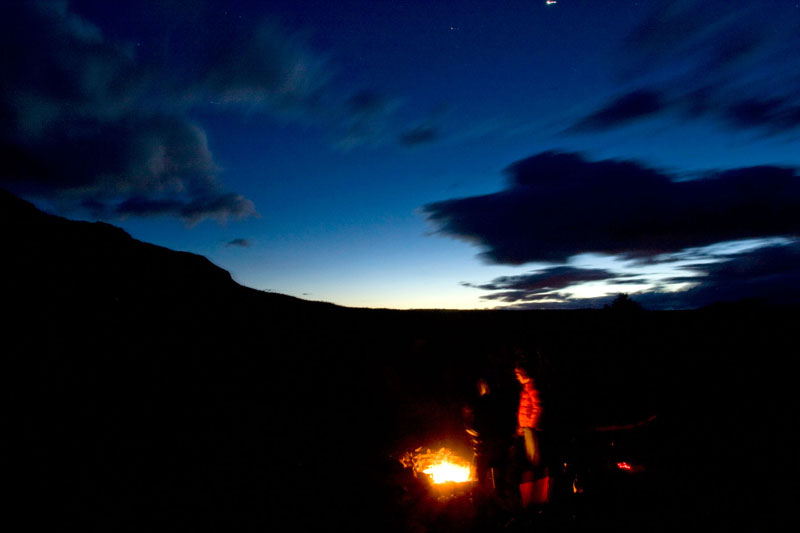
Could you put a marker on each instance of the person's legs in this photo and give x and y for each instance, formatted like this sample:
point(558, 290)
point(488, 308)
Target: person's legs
point(531, 446)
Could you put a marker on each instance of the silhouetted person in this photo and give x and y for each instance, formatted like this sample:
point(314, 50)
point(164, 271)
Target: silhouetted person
point(488, 423)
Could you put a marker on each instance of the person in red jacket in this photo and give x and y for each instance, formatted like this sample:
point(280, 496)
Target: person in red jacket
point(528, 415)
point(534, 482)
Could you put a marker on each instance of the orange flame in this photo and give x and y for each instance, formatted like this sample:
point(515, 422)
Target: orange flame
point(441, 467)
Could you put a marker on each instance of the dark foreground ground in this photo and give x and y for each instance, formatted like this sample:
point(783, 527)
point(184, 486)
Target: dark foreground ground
point(145, 391)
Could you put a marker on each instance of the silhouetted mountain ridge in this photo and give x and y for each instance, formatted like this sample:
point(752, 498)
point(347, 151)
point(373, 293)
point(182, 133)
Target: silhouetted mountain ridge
point(97, 263)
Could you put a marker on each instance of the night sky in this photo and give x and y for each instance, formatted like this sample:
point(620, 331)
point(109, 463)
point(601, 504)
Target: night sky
point(424, 154)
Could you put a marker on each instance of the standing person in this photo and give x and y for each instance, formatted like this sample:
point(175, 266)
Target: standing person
point(528, 415)
point(491, 430)
point(534, 483)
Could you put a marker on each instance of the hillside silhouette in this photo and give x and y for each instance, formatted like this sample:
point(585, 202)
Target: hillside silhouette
point(149, 391)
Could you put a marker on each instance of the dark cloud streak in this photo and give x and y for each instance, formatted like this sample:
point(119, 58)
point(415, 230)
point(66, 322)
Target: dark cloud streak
point(558, 205)
point(419, 135)
point(365, 119)
point(544, 283)
point(770, 275)
point(629, 107)
point(533, 284)
point(238, 242)
point(733, 64)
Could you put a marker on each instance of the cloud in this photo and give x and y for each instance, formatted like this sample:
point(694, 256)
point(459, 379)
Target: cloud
point(365, 119)
point(769, 274)
point(733, 64)
point(259, 66)
point(371, 118)
point(691, 30)
point(58, 67)
point(757, 270)
point(629, 107)
point(368, 103)
point(536, 284)
point(418, 135)
point(773, 114)
point(133, 166)
point(240, 242)
point(431, 128)
point(562, 302)
point(558, 205)
point(193, 210)
point(87, 123)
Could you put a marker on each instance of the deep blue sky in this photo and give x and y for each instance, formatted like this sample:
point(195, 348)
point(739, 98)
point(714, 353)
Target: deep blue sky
point(420, 154)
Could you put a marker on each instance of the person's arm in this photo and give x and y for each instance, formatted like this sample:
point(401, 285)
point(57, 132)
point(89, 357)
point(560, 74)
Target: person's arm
point(533, 406)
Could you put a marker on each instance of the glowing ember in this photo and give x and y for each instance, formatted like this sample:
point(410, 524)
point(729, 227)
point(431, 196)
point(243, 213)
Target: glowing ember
point(631, 468)
point(441, 467)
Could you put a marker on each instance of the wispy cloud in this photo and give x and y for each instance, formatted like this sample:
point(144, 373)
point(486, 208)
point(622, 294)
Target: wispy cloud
point(536, 284)
point(239, 243)
point(732, 63)
point(418, 135)
point(627, 108)
point(765, 270)
point(365, 119)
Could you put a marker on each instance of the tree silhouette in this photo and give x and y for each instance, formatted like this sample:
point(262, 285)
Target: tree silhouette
point(624, 303)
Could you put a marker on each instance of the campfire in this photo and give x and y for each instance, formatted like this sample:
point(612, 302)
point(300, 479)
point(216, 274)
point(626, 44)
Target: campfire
point(440, 467)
